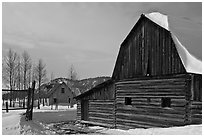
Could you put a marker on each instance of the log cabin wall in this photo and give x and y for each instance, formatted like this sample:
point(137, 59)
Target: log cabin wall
point(100, 105)
point(78, 110)
point(195, 107)
point(196, 112)
point(102, 111)
point(152, 102)
point(147, 50)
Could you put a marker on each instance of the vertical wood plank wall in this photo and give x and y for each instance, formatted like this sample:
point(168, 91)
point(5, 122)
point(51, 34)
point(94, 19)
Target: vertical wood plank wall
point(148, 49)
point(195, 106)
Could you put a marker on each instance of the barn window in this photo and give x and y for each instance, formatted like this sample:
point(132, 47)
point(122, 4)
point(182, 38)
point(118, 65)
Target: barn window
point(62, 90)
point(166, 102)
point(55, 100)
point(128, 101)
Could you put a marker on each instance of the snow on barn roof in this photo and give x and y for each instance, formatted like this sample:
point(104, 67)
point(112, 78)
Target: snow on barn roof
point(191, 40)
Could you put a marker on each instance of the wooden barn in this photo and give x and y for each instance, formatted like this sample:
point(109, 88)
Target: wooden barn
point(156, 82)
point(60, 94)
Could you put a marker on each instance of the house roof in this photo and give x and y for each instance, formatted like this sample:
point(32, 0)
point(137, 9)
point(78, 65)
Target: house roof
point(55, 87)
point(187, 37)
point(94, 88)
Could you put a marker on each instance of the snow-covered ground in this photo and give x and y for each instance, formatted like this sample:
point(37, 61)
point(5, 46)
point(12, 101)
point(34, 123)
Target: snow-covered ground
point(186, 130)
point(13, 123)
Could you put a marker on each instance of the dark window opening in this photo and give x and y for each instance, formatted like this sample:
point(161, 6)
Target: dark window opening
point(62, 90)
point(128, 101)
point(55, 100)
point(166, 102)
point(69, 100)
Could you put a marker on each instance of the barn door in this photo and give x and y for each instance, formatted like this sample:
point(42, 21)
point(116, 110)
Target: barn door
point(84, 109)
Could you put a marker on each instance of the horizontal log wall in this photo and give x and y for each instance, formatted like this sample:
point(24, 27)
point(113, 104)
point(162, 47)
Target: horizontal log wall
point(145, 110)
point(101, 111)
point(196, 112)
point(78, 110)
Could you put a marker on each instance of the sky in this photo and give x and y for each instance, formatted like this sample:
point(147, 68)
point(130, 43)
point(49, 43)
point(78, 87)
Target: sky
point(87, 35)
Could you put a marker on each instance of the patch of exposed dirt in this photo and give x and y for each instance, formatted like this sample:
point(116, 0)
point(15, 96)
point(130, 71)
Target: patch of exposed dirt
point(71, 127)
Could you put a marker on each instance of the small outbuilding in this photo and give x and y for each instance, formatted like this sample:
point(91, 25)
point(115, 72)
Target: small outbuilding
point(60, 94)
point(156, 82)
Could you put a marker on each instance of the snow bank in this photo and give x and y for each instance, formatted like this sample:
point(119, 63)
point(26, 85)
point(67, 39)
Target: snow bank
point(11, 122)
point(186, 130)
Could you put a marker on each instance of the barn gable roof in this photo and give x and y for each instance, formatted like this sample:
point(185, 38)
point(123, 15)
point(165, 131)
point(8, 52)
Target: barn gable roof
point(192, 62)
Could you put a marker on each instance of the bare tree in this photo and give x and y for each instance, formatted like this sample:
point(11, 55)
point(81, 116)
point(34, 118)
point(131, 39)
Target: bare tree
point(9, 70)
point(52, 76)
point(30, 69)
point(19, 73)
point(26, 65)
point(40, 75)
point(72, 73)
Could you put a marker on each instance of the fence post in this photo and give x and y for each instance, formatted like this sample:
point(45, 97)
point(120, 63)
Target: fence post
point(23, 102)
point(32, 100)
point(7, 107)
point(19, 103)
point(10, 102)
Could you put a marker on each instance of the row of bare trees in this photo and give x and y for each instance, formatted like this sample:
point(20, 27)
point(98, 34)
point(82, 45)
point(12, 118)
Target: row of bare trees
point(18, 71)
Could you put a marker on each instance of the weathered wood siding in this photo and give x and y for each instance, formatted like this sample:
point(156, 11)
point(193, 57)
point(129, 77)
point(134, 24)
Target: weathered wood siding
point(146, 110)
point(101, 105)
point(78, 109)
point(147, 50)
point(196, 112)
point(101, 111)
point(195, 103)
point(196, 87)
point(104, 92)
